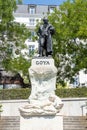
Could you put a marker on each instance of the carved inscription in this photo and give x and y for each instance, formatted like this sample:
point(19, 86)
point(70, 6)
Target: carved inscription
point(42, 63)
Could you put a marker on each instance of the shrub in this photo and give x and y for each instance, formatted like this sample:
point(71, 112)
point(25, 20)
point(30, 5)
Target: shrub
point(71, 92)
point(24, 93)
point(1, 109)
point(8, 94)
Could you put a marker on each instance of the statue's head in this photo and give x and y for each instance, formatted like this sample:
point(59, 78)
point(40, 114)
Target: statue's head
point(45, 20)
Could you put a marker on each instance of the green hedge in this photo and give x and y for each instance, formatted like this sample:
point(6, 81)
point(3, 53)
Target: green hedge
point(8, 94)
point(73, 92)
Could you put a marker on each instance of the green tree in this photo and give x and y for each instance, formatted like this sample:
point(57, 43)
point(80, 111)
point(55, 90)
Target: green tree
point(12, 37)
point(70, 39)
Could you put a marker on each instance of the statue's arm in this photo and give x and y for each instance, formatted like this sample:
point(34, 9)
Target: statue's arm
point(39, 33)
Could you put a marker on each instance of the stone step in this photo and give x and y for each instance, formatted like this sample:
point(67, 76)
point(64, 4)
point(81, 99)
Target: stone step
point(69, 123)
point(10, 123)
point(75, 123)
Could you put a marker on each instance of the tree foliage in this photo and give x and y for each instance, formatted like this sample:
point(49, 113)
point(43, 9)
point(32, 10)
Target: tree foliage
point(12, 37)
point(70, 40)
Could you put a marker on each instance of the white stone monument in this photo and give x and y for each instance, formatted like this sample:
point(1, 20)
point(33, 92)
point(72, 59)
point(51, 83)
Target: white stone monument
point(42, 112)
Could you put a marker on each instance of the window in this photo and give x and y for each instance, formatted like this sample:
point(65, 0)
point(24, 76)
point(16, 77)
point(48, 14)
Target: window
point(32, 22)
point(31, 49)
point(32, 36)
point(85, 71)
point(51, 9)
point(32, 9)
point(32, 33)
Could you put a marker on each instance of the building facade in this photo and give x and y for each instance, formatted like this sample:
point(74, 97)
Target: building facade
point(30, 13)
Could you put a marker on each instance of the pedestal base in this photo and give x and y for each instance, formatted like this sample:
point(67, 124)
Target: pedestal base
point(42, 110)
point(41, 123)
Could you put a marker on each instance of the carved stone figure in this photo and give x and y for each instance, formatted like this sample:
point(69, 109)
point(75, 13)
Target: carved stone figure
point(45, 33)
point(42, 100)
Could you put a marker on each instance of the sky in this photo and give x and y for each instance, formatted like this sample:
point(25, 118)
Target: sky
point(43, 2)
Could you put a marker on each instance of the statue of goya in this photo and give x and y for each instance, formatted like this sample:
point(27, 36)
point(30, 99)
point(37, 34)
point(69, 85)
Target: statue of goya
point(45, 33)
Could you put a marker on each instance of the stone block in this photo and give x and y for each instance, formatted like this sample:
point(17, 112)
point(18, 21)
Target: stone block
point(41, 123)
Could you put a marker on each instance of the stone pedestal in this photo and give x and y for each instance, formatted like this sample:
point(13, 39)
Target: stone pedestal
point(41, 123)
point(43, 106)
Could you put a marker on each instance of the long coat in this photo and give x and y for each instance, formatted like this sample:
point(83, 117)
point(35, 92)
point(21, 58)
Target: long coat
point(45, 33)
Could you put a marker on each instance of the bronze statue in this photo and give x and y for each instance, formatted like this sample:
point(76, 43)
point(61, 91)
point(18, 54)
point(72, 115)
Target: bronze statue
point(45, 33)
